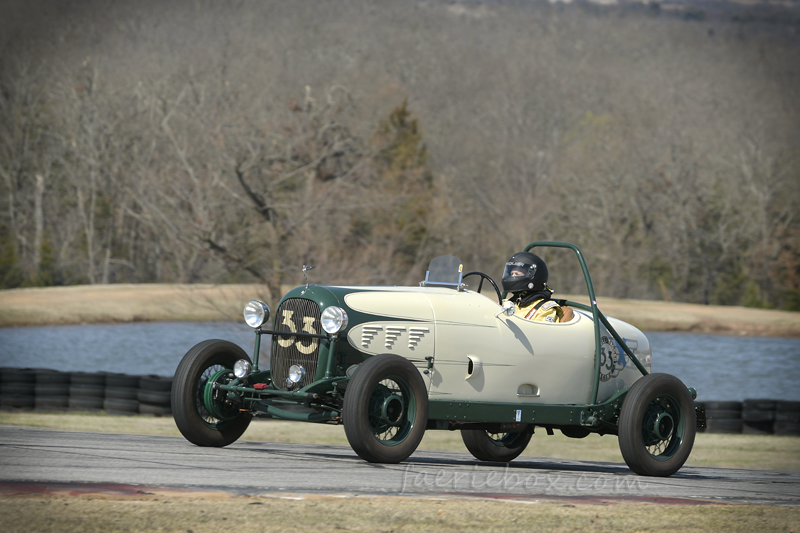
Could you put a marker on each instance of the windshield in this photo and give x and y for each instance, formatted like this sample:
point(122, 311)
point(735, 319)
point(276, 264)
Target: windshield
point(444, 270)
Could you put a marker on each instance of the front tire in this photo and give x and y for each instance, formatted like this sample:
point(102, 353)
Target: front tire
point(497, 447)
point(224, 424)
point(657, 425)
point(385, 409)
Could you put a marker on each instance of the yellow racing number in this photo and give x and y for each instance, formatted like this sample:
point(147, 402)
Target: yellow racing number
point(308, 327)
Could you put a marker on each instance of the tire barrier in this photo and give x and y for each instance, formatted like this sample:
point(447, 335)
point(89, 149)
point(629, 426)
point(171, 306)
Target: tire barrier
point(51, 391)
point(48, 390)
point(154, 395)
point(752, 417)
point(17, 388)
point(722, 417)
point(120, 396)
point(787, 418)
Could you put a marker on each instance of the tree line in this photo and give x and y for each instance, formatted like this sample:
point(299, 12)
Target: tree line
point(222, 142)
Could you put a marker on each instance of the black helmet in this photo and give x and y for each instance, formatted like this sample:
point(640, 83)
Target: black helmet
point(533, 271)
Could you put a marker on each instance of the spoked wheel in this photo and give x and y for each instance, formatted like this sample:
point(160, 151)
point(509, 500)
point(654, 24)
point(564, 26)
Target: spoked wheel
point(500, 447)
point(385, 409)
point(657, 425)
point(203, 415)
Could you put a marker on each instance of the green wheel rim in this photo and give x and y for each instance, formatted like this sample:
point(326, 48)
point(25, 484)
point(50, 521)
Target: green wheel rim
point(212, 410)
point(663, 427)
point(391, 411)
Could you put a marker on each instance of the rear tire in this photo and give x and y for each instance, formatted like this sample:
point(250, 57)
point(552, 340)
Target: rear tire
point(657, 425)
point(189, 409)
point(497, 447)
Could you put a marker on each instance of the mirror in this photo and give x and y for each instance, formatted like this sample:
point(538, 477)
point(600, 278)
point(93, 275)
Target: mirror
point(508, 308)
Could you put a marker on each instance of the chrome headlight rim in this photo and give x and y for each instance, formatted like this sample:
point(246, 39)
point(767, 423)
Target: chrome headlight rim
point(334, 320)
point(256, 313)
point(296, 375)
point(242, 368)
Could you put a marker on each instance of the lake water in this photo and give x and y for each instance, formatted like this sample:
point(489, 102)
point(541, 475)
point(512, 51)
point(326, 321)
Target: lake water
point(720, 367)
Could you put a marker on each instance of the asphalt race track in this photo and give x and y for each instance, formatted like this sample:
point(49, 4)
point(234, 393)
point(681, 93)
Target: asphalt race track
point(44, 456)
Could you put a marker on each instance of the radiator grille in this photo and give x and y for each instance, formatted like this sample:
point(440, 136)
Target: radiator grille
point(295, 315)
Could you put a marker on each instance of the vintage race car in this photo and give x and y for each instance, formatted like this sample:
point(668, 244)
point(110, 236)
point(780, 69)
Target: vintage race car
point(390, 363)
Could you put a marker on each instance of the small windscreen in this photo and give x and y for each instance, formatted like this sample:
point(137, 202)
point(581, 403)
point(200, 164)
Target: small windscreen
point(444, 270)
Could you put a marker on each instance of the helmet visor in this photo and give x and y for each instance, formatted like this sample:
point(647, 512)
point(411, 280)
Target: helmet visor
point(518, 270)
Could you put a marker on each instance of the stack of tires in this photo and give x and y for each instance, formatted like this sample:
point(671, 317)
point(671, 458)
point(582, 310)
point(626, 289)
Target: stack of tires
point(787, 418)
point(121, 392)
point(52, 390)
point(758, 417)
point(722, 417)
point(86, 391)
point(154, 395)
point(17, 388)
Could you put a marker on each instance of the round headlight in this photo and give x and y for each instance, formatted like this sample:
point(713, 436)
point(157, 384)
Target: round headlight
point(256, 313)
point(242, 368)
point(296, 374)
point(334, 320)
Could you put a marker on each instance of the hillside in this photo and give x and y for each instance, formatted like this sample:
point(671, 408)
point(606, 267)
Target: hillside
point(228, 141)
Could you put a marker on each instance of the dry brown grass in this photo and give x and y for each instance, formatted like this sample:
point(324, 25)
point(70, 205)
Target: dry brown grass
point(758, 452)
point(125, 303)
point(220, 512)
point(156, 302)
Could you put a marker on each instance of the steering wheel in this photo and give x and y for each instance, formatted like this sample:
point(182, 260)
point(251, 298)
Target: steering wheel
point(480, 285)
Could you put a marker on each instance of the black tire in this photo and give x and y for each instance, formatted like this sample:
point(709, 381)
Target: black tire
point(18, 375)
point(385, 409)
point(195, 422)
point(86, 378)
point(497, 447)
point(121, 393)
point(156, 383)
point(757, 415)
point(17, 402)
point(787, 428)
point(575, 432)
point(51, 389)
point(787, 416)
point(52, 377)
point(85, 404)
point(115, 406)
point(757, 428)
point(122, 381)
point(19, 389)
point(759, 404)
point(724, 425)
point(657, 425)
point(153, 397)
point(52, 403)
point(87, 391)
point(726, 405)
point(784, 406)
point(727, 414)
point(155, 410)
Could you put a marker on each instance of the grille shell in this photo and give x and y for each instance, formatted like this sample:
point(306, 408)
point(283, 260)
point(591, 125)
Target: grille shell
point(295, 315)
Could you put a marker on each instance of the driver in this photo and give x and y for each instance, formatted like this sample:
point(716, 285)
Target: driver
point(525, 277)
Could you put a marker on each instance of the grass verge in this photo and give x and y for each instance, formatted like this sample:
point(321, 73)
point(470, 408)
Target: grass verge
point(757, 452)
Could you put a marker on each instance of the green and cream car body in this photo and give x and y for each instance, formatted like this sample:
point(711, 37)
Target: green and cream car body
point(390, 363)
